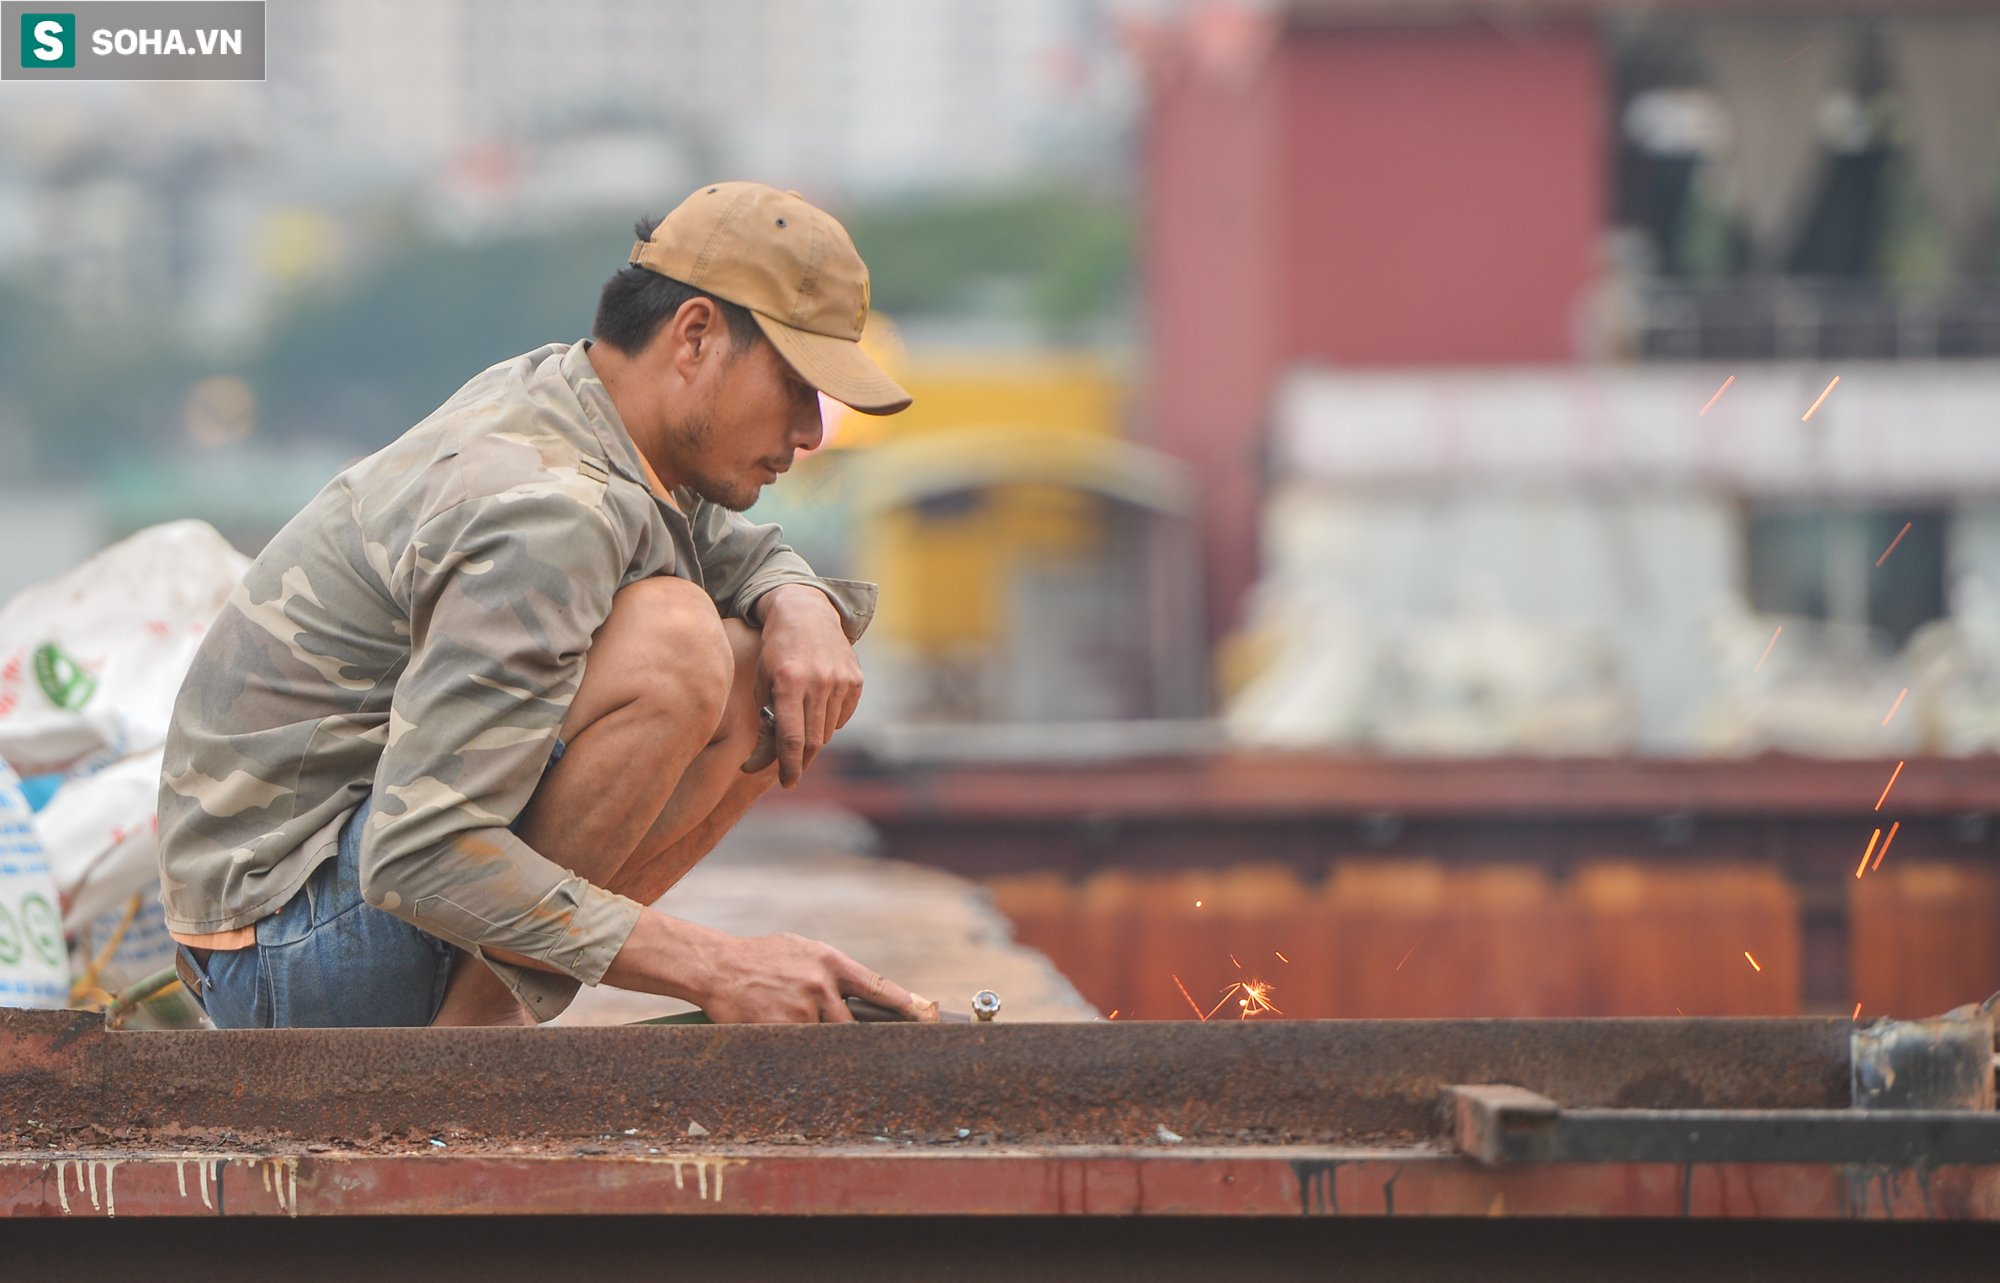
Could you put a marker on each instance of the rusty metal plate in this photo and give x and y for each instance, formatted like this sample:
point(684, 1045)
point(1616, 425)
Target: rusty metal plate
point(1310, 1082)
point(1242, 1181)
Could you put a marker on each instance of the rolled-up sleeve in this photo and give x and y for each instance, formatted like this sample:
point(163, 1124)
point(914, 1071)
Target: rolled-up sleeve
point(742, 560)
point(504, 594)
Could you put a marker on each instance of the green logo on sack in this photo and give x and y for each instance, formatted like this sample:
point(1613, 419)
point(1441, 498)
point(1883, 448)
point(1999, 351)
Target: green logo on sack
point(61, 678)
point(43, 929)
point(48, 40)
point(10, 939)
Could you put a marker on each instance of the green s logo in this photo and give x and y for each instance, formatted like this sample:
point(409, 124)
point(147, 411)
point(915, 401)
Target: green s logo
point(48, 40)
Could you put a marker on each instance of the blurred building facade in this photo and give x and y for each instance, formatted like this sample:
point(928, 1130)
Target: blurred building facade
point(212, 201)
point(1624, 208)
point(181, 231)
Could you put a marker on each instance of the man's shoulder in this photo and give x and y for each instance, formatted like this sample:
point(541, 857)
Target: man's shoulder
point(515, 430)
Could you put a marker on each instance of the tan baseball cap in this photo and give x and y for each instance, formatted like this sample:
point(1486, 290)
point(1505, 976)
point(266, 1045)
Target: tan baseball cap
point(796, 270)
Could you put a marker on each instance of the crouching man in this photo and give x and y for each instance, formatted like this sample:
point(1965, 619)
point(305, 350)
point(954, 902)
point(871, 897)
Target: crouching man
point(502, 683)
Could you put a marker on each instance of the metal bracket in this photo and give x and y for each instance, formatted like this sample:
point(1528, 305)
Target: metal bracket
point(1499, 1124)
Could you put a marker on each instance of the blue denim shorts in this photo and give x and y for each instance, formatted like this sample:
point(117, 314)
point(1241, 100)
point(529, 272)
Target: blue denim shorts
point(328, 959)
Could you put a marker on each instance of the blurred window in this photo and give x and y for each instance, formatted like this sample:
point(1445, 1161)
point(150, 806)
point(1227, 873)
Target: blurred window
point(1667, 134)
point(1843, 230)
point(1820, 563)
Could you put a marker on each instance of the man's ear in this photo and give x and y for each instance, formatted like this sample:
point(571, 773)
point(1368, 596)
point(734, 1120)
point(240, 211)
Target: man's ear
point(690, 334)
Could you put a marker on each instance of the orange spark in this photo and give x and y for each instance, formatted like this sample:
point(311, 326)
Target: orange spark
point(1885, 846)
point(1793, 56)
point(1753, 961)
point(1893, 542)
point(1232, 958)
point(1256, 1000)
point(1886, 787)
point(1406, 957)
point(1767, 650)
point(1282, 958)
point(1857, 1012)
point(1893, 707)
point(1188, 996)
point(1679, 1012)
point(1113, 1015)
point(1197, 904)
point(1822, 397)
point(1863, 867)
point(1718, 395)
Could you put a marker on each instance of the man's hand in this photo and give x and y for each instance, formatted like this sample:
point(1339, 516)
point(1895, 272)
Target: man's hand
point(775, 979)
point(809, 670)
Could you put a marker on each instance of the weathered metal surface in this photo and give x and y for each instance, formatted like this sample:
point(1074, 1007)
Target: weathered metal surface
point(1313, 1082)
point(1945, 1062)
point(1248, 1181)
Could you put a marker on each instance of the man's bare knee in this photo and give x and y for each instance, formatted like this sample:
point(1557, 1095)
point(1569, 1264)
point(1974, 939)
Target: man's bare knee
point(665, 637)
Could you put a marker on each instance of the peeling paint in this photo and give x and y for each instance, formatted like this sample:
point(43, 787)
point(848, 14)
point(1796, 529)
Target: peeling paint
point(281, 1178)
point(701, 1170)
point(86, 1183)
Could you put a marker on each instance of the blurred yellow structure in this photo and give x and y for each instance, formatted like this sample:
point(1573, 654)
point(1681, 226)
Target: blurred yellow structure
point(1014, 533)
point(943, 552)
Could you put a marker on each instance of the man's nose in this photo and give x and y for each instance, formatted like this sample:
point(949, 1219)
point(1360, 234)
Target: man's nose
point(807, 427)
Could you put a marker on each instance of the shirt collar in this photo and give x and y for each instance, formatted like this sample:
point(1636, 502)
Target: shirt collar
point(619, 451)
point(601, 414)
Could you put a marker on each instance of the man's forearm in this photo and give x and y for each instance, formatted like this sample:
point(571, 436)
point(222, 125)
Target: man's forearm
point(662, 955)
point(760, 610)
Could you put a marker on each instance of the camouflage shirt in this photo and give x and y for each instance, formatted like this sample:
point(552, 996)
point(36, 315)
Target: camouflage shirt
point(418, 631)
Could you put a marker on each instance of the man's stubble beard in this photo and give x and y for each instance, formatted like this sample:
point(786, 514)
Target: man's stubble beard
point(721, 491)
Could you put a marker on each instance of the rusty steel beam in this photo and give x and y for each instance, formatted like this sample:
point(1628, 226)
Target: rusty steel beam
point(1308, 809)
point(1298, 1082)
point(1267, 786)
point(1074, 1181)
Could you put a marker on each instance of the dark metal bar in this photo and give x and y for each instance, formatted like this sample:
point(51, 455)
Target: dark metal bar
point(1503, 1124)
point(1895, 1138)
point(1312, 1082)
